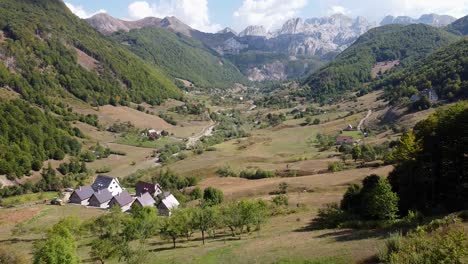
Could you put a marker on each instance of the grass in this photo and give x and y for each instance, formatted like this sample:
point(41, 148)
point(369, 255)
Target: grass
point(27, 198)
point(354, 134)
point(140, 141)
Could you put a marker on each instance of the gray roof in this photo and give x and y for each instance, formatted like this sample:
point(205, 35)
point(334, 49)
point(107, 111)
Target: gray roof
point(84, 192)
point(123, 198)
point(146, 200)
point(102, 182)
point(103, 196)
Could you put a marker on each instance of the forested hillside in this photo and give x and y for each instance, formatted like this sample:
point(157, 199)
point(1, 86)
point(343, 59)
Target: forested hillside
point(29, 136)
point(459, 27)
point(430, 175)
point(49, 51)
point(445, 71)
point(352, 68)
point(181, 57)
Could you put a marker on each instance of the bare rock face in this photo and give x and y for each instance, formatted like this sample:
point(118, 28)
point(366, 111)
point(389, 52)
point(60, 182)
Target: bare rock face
point(271, 71)
point(254, 31)
point(428, 19)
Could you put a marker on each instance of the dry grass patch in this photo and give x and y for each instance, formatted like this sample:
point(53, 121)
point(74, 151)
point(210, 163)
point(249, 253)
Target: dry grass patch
point(86, 61)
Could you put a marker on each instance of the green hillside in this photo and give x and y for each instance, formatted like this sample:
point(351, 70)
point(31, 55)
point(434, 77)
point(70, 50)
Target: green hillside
point(40, 40)
point(181, 57)
point(352, 68)
point(445, 71)
point(29, 136)
point(459, 27)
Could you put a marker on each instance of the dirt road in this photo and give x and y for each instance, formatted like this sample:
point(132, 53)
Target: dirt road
point(369, 113)
point(207, 131)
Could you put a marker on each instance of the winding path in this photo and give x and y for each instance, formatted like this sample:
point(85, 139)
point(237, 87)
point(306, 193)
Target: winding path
point(369, 113)
point(207, 131)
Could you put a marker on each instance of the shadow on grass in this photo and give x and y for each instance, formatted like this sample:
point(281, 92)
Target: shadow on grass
point(18, 240)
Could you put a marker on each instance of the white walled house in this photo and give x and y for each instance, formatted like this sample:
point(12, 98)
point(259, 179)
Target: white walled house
point(81, 195)
point(100, 199)
point(106, 182)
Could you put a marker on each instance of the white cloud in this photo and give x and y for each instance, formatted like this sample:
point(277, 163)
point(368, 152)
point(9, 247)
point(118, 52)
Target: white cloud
point(378, 9)
point(336, 9)
point(192, 12)
point(81, 12)
point(269, 13)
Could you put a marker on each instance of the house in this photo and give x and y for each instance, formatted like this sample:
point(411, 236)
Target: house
point(344, 140)
point(100, 199)
point(146, 187)
point(431, 95)
point(167, 203)
point(144, 200)
point(106, 182)
point(122, 200)
point(349, 128)
point(154, 134)
point(81, 195)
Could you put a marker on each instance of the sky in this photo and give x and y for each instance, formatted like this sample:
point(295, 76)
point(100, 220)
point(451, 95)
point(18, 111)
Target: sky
point(214, 15)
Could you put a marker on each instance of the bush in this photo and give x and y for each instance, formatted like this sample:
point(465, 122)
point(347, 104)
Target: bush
point(335, 166)
point(331, 216)
point(280, 200)
point(226, 171)
point(258, 174)
point(212, 196)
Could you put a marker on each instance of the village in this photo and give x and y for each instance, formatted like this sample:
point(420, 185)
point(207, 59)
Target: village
point(106, 192)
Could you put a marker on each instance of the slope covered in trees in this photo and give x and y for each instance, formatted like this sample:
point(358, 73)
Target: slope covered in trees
point(28, 137)
point(445, 71)
point(352, 68)
point(430, 173)
point(181, 57)
point(459, 27)
point(42, 43)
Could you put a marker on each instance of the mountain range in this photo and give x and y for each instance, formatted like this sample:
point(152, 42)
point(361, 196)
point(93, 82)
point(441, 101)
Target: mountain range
point(292, 51)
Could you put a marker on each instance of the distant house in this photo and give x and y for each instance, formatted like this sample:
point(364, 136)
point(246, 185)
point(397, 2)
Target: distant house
point(349, 128)
point(154, 134)
point(431, 95)
point(344, 140)
point(81, 195)
point(146, 187)
point(100, 199)
point(167, 203)
point(144, 200)
point(106, 182)
point(122, 200)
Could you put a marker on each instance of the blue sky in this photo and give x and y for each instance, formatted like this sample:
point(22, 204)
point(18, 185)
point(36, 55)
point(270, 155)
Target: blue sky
point(212, 15)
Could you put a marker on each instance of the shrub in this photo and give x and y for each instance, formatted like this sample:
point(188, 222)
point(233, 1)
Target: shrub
point(212, 196)
point(226, 171)
point(335, 166)
point(280, 200)
point(258, 174)
point(331, 216)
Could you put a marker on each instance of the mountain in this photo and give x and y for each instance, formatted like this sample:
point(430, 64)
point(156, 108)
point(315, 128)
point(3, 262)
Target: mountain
point(428, 19)
point(445, 72)
point(52, 53)
point(254, 31)
point(387, 45)
point(181, 57)
point(227, 30)
point(459, 27)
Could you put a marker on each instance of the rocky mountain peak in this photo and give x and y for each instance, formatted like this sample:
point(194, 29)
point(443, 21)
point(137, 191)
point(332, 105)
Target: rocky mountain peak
point(428, 19)
point(227, 30)
point(254, 31)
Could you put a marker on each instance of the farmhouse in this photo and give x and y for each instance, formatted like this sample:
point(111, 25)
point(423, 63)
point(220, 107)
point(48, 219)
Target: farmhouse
point(144, 200)
point(145, 187)
point(81, 195)
point(106, 182)
point(100, 199)
point(431, 95)
point(122, 200)
point(154, 134)
point(167, 204)
point(344, 140)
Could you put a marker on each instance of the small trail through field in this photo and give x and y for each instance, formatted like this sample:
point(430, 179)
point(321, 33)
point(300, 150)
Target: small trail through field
point(369, 113)
point(207, 131)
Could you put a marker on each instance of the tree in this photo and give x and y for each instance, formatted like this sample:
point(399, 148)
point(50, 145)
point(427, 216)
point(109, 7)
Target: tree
point(356, 152)
point(102, 249)
point(381, 203)
point(205, 218)
point(212, 196)
point(59, 247)
point(172, 227)
point(143, 224)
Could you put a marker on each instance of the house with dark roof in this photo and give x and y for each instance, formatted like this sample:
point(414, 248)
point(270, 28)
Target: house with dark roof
point(145, 187)
point(81, 195)
point(106, 182)
point(122, 200)
point(344, 140)
point(430, 94)
point(100, 199)
point(144, 200)
point(167, 203)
